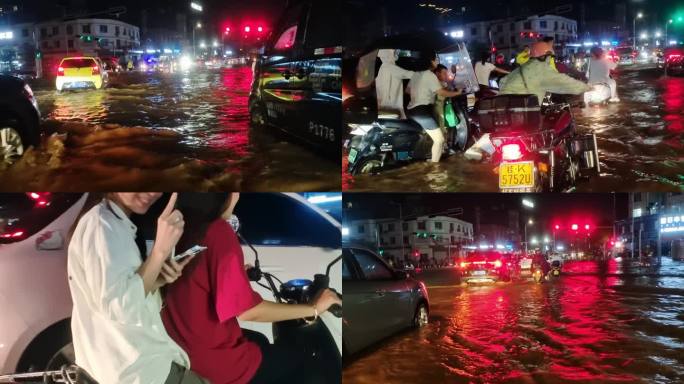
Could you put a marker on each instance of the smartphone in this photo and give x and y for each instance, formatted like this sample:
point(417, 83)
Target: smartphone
point(190, 252)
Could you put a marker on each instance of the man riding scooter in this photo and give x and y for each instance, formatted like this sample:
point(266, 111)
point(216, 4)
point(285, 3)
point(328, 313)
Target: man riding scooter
point(535, 77)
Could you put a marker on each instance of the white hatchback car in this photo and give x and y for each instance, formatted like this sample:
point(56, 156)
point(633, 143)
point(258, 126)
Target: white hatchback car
point(294, 237)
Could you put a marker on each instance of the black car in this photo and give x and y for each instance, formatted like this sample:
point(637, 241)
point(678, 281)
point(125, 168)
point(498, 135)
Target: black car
point(297, 84)
point(19, 118)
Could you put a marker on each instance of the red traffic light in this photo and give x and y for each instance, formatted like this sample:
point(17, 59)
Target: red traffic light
point(247, 29)
point(260, 29)
point(557, 226)
point(493, 49)
point(574, 227)
point(586, 226)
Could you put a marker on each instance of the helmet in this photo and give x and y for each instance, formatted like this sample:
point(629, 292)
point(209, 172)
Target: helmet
point(540, 49)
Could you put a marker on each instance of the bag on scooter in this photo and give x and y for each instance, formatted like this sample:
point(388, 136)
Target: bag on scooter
point(450, 117)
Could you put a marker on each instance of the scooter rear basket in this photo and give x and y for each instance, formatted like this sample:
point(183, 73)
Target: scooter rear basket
point(507, 114)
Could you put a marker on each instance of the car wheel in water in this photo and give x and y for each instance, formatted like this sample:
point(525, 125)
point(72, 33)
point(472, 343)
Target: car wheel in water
point(257, 114)
point(11, 143)
point(369, 165)
point(420, 318)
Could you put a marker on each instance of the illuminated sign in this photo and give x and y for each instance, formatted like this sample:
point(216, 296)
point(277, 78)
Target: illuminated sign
point(6, 35)
point(669, 224)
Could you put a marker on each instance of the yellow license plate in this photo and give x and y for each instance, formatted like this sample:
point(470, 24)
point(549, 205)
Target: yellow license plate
point(516, 175)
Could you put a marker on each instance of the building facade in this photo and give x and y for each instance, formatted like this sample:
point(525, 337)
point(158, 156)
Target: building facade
point(59, 38)
point(425, 237)
point(655, 223)
point(509, 36)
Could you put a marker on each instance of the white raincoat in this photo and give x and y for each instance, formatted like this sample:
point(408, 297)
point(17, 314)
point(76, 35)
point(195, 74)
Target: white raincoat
point(389, 85)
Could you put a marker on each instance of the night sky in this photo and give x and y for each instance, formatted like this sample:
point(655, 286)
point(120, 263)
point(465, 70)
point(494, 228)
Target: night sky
point(549, 207)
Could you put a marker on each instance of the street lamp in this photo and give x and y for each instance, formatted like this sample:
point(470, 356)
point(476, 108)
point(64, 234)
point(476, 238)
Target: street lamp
point(401, 227)
point(197, 7)
point(666, 25)
point(638, 16)
point(529, 222)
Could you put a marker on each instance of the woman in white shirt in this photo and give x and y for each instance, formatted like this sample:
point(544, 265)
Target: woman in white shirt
point(424, 88)
point(484, 69)
point(116, 323)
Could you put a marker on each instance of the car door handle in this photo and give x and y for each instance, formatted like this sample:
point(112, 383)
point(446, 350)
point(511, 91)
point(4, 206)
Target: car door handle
point(380, 292)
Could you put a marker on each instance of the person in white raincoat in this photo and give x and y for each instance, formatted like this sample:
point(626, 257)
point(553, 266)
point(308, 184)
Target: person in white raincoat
point(535, 77)
point(389, 84)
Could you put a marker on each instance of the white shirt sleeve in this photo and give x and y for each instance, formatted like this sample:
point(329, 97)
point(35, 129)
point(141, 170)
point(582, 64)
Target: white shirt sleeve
point(489, 66)
point(433, 83)
point(111, 262)
point(401, 72)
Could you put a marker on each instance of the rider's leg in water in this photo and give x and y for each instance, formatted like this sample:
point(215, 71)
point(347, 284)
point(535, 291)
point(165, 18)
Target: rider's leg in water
point(613, 90)
point(437, 143)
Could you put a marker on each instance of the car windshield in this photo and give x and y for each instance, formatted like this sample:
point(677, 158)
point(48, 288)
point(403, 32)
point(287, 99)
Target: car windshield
point(78, 63)
point(23, 215)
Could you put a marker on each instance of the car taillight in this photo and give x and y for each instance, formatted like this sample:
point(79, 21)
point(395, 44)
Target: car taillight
point(497, 264)
point(463, 264)
point(12, 235)
point(511, 152)
point(672, 57)
point(60, 71)
point(96, 70)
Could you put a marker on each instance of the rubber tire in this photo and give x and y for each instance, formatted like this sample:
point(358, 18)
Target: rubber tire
point(416, 314)
point(364, 162)
point(28, 139)
point(257, 110)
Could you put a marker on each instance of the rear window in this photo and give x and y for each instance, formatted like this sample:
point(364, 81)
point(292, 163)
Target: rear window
point(77, 63)
point(24, 214)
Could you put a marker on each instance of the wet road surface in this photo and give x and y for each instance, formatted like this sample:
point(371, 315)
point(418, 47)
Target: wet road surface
point(640, 139)
point(625, 325)
point(166, 131)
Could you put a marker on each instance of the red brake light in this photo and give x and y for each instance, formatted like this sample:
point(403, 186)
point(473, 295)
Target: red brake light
point(497, 264)
point(96, 70)
point(13, 234)
point(511, 152)
point(60, 71)
point(463, 264)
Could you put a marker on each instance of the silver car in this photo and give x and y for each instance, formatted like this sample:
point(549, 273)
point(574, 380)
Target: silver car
point(379, 301)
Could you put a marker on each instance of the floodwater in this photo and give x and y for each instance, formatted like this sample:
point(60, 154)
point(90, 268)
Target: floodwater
point(619, 325)
point(640, 139)
point(164, 131)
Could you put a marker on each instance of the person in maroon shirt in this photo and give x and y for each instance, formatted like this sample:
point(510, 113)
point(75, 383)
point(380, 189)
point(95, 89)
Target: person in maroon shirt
point(202, 308)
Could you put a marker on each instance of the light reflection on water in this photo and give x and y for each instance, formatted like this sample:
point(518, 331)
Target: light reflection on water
point(583, 328)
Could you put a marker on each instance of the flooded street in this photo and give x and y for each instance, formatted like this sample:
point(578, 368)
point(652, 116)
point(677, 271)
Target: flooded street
point(612, 324)
point(166, 131)
point(641, 145)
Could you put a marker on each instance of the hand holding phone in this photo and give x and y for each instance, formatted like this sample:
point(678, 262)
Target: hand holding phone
point(190, 252)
